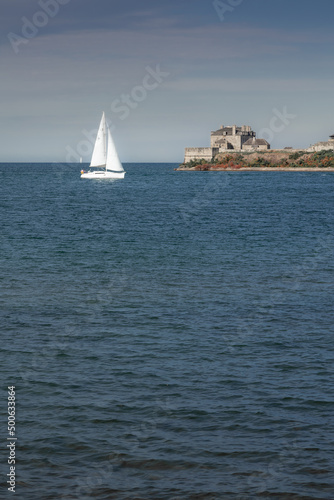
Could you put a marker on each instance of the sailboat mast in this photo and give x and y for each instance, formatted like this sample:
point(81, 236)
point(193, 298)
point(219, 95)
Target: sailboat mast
point(105, 142)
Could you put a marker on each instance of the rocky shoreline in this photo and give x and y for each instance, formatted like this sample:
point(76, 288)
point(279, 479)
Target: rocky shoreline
point(257, 169)
point(270, 161)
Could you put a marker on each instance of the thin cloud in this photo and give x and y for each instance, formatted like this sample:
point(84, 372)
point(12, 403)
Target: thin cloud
point(94, 52)
point(232, 85)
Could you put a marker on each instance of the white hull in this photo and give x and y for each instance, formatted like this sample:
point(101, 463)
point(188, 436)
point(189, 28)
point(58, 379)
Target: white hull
point(102, 175)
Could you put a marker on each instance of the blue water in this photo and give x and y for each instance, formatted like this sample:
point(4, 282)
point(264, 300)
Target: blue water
point(170, 335)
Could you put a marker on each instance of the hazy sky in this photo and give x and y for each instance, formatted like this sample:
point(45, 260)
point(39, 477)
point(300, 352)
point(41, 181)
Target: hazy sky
point(165, 72)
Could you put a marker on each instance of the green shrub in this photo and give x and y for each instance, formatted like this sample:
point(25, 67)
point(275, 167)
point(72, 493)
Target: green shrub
point(298, 154)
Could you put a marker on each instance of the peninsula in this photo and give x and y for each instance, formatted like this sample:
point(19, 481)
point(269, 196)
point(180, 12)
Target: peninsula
point(237, 148)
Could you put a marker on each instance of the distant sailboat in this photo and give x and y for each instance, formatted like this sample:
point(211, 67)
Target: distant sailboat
point(104, 156)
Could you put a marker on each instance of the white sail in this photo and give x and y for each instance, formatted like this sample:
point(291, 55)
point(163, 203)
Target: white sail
point(99, 153)
point(113, 162)
point(109, 165)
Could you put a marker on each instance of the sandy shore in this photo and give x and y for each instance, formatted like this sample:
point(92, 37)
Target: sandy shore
point(257, 169)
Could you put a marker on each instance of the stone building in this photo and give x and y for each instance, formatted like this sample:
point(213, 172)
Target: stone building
point(226, 139)
point(256, 145)
point(231, 137)
point(321, 146)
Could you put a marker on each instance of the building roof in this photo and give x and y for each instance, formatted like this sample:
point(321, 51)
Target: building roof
point(225, 131)
point(256, 142)
point(244, 130)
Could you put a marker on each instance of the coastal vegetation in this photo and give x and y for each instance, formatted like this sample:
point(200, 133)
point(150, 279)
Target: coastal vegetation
point(265, 159)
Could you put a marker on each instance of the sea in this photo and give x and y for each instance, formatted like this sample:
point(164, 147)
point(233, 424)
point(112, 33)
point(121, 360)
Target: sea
point(168, 336)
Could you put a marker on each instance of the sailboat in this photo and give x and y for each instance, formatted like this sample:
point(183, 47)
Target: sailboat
point(104, 156)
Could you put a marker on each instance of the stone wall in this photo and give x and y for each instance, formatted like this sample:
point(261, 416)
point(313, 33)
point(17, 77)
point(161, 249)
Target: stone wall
point(256, 147)
point(321, 146)
point(199, 153)
point(235, 140)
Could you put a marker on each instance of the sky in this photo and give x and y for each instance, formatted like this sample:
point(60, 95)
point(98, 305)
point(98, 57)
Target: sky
point(165, 73)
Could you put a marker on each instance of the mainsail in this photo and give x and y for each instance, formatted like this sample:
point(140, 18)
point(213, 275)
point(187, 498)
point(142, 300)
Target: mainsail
point(99, 153)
